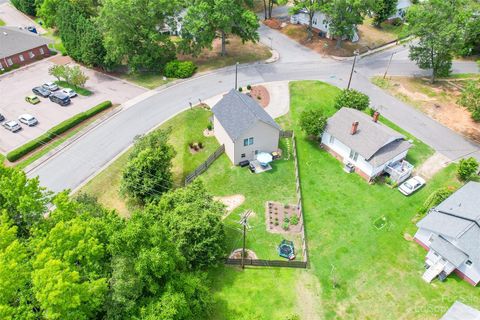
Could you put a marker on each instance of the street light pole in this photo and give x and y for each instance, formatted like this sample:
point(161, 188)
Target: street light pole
point(353, 68)
point(236, 75)
point(388, 65)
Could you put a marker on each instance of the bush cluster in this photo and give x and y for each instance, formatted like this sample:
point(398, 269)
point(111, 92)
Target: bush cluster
point(467, 168)
point(350, 98)
point(58, 129)
point(179, 69)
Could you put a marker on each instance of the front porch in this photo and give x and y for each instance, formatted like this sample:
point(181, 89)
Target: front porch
point(399, 171)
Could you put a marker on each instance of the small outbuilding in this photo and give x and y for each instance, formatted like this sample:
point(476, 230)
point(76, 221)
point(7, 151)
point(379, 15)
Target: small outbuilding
point(244, 127)
point(366, 146)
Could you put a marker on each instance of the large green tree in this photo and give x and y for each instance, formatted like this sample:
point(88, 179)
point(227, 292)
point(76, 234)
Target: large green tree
point(268, 7)
point(439, 27)
point(343, 16)
point(207, 20)
point(148, 171)
point(48, 10)
point(382, 10)
point(131, 33)
point(193, 222)
point(26, 6)
point(309, 7)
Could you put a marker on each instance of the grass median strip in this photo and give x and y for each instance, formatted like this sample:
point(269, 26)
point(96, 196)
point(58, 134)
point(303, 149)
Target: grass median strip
point(81, 91)
point(55, 131)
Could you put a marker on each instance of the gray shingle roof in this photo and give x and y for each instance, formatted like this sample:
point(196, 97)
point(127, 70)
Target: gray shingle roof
point(238, 112)
point(373, 139)
point(460, 311)
point(14, 40)
point(457, 219)
point(448, 251)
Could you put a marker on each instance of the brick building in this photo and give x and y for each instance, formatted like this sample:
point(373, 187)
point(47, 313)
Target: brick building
point(21, 47)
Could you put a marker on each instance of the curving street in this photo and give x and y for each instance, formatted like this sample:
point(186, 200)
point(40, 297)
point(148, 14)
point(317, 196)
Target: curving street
point(86, 156)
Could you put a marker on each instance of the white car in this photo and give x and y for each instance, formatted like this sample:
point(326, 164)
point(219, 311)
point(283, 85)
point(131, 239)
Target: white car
point(52, 86)
point(12, 125)
point(411, 185)
point(69, 92)
point(28, 119)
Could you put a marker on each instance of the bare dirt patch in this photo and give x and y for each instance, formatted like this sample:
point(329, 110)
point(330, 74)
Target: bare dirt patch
point(231, 202)
point(261, 95)
point(282, 218)
point(208, 133)
point(438, 100)
point(237, 254)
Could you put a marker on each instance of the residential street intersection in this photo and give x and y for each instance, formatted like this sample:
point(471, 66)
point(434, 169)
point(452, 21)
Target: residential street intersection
point(86, 156)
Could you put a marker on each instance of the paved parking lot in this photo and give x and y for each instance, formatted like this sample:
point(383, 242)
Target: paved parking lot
point(16, 85)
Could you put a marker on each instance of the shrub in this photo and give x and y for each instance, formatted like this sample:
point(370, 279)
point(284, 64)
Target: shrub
point(435, 198)
point(179, 69)
point(467, 168)
point(285, 226)
point(313, 122)
point(286, 219)
point(249, 87)
point(209, 127)
point(470, 99)
point(350, 98)
point(60, 128)
point(240, 89)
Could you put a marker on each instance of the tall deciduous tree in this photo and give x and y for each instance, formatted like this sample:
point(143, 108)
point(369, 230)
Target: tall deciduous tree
point(268, 7)
point(382, 10)
point(193, 222)
point(309, 7)
point(210, 19)
point(132, 35)
point(440, 28)
point(342, 18)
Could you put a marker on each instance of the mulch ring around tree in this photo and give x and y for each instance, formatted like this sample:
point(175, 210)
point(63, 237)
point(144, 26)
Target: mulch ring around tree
point(237, 254)
point(282, 218)
point(261, 95)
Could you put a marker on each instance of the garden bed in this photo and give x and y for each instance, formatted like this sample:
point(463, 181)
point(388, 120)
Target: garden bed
point(282, 218)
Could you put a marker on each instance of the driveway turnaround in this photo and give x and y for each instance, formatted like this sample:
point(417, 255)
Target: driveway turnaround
point(16, 85)
point(14, 18)
point(86, 156)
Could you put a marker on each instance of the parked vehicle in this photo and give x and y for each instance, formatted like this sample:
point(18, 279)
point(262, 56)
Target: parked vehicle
point(52, 86)
point(69, 92)
point(12, 125)
point(32, 99)
point(42, 92)
point(411, 185)
point(2, 117)
point(28, 119)
point(32, 29)
point(60, 98)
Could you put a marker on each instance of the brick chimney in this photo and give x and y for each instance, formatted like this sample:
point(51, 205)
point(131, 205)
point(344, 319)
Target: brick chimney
point(354, 127)
point(376, 114)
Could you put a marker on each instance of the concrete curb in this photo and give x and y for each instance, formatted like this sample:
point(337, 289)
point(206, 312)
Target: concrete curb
point(77, 136)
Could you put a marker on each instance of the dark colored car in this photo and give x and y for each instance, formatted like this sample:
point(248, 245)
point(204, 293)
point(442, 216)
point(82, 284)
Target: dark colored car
point(42, 92)
point(1, 117)
point(60, 98)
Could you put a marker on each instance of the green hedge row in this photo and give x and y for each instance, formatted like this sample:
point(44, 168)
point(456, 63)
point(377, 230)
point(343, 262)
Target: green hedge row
point(58, 129)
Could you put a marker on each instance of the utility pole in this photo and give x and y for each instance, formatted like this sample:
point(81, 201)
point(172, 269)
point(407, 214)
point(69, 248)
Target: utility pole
point(356, 52)
point(236, 75)
point(388, 65)
point(244, 222)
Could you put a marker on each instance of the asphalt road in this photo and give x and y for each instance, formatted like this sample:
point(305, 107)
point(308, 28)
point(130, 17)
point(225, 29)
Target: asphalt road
point(82, 159)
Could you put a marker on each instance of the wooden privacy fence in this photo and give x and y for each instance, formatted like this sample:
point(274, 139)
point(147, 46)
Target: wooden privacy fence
point(286, 134)
point(267, 263)
point(204, 166)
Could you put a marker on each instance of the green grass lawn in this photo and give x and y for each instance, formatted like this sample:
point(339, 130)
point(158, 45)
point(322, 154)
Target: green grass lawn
point(186, 127)
point(365, 272)
point(81, 91)
point(2, 23)
point(149, 80)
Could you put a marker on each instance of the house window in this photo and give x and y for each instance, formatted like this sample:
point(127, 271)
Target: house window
point(332, 139)
point(468, 262)
point(9, 61)
point(353, 155)
point(30, 54)
point(243, 155)
point(41, 51)
point(247, 142)
point(20, 56)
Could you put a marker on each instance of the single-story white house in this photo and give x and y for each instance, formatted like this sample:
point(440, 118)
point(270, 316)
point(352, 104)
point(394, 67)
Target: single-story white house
point(244, 127)
point(451, 234)
point(366, 146)
point(319, 22)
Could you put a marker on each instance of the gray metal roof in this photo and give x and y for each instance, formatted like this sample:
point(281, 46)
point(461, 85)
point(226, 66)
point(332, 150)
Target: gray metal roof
point(14, 40)
point(448, 251)
point(238, 112)
point(371, 139)
point(457, 220)
point(460, 311)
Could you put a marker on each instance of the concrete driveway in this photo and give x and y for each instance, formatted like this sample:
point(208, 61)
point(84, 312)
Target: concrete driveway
point(13, 17)
point(16, 85)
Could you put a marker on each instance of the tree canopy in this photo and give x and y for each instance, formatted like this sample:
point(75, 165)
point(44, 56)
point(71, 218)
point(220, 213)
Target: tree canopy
point(343, 16)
